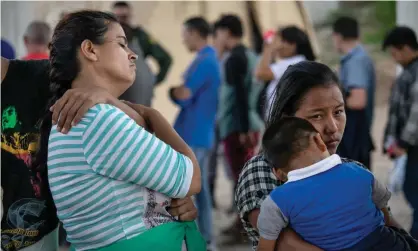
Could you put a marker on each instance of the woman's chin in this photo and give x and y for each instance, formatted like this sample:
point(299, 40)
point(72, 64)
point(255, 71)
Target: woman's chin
point(332, 148)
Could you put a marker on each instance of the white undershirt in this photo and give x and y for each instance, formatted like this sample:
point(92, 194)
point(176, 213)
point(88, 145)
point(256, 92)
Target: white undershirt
point(278, 68)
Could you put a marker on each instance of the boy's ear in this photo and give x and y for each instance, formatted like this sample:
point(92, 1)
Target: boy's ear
point(319, 142)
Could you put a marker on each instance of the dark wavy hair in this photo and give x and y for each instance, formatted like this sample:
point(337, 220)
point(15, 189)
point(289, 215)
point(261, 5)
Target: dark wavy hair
point(68, 35)
point(294, 35)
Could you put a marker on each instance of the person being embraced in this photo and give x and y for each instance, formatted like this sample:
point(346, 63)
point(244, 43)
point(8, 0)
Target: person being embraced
point(319, 200)
point(307, 90)
point(111, 179)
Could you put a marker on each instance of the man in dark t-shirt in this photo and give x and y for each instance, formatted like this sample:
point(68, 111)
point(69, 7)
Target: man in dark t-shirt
point(29, 212)
point(238, 120)
point(29, 220)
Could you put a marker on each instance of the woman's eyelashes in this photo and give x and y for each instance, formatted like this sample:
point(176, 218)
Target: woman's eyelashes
point(316, 117)
point(339, 111)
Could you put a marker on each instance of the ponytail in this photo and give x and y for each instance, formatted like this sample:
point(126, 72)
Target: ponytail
point(68, 35)
point(306, 50)
point(59, 84)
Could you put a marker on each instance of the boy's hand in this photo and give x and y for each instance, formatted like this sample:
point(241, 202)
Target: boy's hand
point(184, 209)
point(75, 103)
point(266, 245)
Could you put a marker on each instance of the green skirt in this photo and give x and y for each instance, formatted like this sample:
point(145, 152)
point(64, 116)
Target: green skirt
point(166, 237)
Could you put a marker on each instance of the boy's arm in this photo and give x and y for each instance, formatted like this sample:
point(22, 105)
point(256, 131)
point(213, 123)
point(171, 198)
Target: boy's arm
point(271, 222)
point(266, 245)
point(288, 240)
point(381, 196)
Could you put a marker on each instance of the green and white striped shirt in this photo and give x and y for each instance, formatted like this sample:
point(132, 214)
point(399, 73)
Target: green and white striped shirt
point(111, 179)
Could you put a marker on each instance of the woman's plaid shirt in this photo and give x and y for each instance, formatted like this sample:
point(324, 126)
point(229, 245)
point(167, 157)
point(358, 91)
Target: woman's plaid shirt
point(255, 183)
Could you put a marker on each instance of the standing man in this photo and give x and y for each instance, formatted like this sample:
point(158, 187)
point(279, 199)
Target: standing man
point(141, 91)
point(358, 79)
point(29, 220)
point(198, 100)
point(142, 44)
point(239, 122)
point(403, 112)
point(37, 38)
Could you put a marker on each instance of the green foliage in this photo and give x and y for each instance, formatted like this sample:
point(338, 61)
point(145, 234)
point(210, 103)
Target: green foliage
point(333, 15)
point(375, 19)
point(382, 18)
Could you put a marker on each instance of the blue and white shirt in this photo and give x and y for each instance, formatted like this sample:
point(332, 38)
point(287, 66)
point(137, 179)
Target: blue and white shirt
point(324, 206)
point(111, 179)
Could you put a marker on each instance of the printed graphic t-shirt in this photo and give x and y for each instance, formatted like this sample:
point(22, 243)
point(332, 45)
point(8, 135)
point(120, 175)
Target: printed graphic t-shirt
point(29, 212)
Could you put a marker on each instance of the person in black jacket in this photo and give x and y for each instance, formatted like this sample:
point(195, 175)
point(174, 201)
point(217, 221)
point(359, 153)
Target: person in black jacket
point(402, 123)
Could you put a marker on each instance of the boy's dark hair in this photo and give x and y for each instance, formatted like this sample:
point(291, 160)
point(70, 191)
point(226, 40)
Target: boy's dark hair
point(285, 138)
point(232, 23)
point(121, 4)
point(198, 24)
point(347, 27)
point(399, 37)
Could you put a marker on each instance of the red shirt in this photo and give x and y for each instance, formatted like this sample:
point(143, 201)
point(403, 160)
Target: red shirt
point(36, 56)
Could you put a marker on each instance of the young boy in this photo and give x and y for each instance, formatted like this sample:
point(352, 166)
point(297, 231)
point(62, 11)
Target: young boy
point(319, 200)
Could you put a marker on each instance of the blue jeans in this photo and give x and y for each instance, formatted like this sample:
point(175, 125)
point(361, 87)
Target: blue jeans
point(203, 199)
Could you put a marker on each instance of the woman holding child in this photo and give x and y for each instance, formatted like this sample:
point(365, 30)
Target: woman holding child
point(111, 179)
point(310, 91)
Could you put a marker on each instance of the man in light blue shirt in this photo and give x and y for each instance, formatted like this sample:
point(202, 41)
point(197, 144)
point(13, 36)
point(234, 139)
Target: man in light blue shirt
point(358, 79)
point(198, 100)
